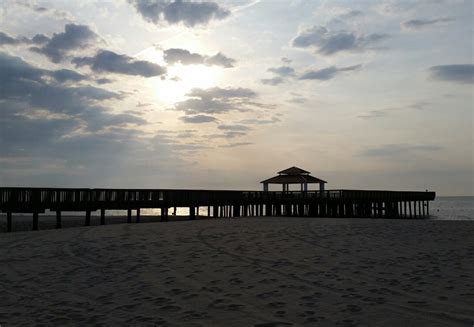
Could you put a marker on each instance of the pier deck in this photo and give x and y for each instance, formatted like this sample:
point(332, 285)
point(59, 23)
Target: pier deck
point(330, 203)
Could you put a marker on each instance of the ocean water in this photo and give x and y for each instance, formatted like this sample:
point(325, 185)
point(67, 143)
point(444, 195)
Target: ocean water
point(452, 208)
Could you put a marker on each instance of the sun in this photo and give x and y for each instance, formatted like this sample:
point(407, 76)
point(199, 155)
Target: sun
point(180, 79)
point(183, 78)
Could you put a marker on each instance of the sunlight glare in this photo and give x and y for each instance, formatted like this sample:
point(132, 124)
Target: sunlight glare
point(187, 77)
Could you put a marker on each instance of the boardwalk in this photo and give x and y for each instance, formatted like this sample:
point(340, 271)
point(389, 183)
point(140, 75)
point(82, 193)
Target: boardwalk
point(332, 203)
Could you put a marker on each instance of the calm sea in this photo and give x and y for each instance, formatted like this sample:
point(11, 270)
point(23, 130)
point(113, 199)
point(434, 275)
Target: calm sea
point(452, 208)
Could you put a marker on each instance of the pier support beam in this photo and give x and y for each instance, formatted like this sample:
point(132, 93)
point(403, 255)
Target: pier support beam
point(102, 216)
point(88, 218)
point(58, 219)
point(129, 216)
point(164, 214)
point(192, 213)
point(215, 211)
point(35, 220)
point(9, 221)
point(138, 215)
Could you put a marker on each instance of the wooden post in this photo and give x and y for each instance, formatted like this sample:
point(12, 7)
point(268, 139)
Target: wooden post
point(428, 208)
point(215, 211)
point(102, 216)
point(129, 216)
point(138, 215)
point(208, 211)
point(409, 210)
point(164, 214)
point(88, 218)
point(35, 220)
point(192, 213)
point(58, 219)
point(9, 221)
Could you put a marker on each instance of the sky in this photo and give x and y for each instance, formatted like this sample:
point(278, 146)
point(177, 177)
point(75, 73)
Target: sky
point(222, 95)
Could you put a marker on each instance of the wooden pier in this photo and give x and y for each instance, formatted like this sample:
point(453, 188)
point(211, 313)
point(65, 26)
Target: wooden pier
point(331, 203)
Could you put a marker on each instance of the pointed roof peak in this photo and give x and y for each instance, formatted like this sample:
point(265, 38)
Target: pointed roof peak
point(293, 171)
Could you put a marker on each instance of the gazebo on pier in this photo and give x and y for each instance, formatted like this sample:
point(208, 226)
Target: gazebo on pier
point(293, 175)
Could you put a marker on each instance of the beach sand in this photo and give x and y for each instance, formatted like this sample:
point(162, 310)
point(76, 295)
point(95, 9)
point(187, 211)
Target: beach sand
point(241, 272)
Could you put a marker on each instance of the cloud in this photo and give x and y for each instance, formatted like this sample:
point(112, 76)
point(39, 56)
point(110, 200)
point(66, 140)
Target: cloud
point(327, 73)
point(283, 71)
point(235, 127)
point(233, 145)
point(217, 100)
point(7, 39)
point(419, 24)
point(297, 100)
point(272, 81)
point(255, 121)
point(328, 42)
point(26, 89)
point(380, 113)
point(74, 37)
point(398, 149)
point(198, 119)
point(463, 74)
point(174, 55)
point(64, 75)
point(110, 62)
point(187, 13)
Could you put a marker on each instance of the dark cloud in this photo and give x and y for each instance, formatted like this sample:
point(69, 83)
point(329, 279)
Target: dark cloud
point(235, 127)
point(64, 75)
point(283, 71)
point(272, 81)
point(103, 80)
point(73, 38)
point(327, 73)
point(26, 88)
point(419, 24)
point(110, 62)
point(7, 39)
point(174, 55)
point(219, 60)
point(255, 121)
point(175, 12)
point(380, 113)
point(233, 145)
point(227, 135)
point(328, 42)
point(463, 74)
point(59, 130)
point(217, 100)
point(198, 119)
point(398, 149)
point(286, 60)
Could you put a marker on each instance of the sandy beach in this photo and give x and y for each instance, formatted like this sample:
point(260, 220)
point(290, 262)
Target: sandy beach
point(241, 272)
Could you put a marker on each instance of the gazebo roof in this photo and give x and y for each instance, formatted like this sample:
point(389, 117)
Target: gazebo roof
point(293, 175)
point(293, 179)
point(294, 171)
